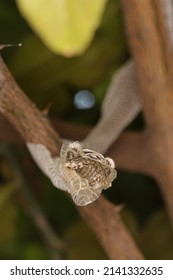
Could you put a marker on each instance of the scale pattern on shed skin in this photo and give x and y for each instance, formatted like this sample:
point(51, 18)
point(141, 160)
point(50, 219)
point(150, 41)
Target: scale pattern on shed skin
point(81, 172)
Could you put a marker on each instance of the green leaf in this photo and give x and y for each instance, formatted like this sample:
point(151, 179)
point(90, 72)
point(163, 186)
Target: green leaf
point(65, 26)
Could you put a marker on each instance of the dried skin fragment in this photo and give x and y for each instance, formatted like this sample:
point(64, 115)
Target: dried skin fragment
point(49, 166)
point(81, 172)
point(87, 172)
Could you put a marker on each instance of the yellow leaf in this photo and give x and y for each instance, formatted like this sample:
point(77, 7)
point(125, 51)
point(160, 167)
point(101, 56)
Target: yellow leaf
point(65, 26)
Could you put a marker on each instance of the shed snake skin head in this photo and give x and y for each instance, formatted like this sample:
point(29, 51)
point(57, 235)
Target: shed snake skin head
point(81, 172)
point(88, 171)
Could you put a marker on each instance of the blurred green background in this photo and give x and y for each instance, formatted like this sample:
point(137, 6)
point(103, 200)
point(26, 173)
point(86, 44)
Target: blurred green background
point(75, 88)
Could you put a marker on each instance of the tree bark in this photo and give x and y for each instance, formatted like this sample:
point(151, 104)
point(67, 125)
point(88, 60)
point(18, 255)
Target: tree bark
point(145, 28)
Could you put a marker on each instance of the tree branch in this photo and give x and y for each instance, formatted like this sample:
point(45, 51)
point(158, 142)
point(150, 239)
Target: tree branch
point(104, 217)
point(23, 115)
point(34, 127)
point(127, 150)
point(146, 42)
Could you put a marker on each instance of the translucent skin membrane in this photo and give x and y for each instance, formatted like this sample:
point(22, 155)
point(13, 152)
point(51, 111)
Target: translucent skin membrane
point(81, 172)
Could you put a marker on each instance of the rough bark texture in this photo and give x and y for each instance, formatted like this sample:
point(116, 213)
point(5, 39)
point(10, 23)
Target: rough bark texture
point(23, 114)
point(103, 216)
point(151, 52)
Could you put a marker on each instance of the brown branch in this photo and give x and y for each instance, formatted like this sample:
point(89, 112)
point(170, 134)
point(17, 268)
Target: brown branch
point(31, 182)
point(127, 150)
point(8, 133)
point(34, 127)
point(55, 245)
point(66, 129)
point(119, 243)
point(131, 152)
point(25, 198)
point(23, 115)
point(155, 83)
point(165, 42)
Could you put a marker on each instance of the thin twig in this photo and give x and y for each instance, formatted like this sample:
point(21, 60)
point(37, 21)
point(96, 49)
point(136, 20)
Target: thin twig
point(28, 202)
